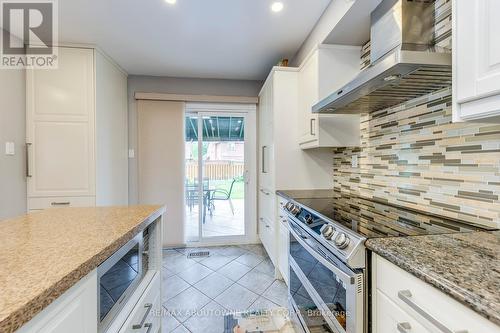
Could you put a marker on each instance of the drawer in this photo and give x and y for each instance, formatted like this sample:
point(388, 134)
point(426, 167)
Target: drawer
point(425, 303)
point(268, 238)
point(146, 312)
point(389, 318)
point(54, 202)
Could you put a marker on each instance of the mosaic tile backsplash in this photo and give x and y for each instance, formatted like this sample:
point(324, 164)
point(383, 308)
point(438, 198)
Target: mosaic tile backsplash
point(413, 155)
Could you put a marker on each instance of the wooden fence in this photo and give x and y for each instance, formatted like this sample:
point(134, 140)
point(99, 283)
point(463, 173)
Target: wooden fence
point(215, 170)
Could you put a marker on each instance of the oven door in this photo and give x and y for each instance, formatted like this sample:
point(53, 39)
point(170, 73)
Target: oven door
point(319, 280)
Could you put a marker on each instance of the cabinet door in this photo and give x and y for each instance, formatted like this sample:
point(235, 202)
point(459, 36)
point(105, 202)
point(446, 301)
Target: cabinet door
point(60, 127)
point(476, 51)
point(74, 311)
point(266, 136)
point(284, 239)
point(308, 96)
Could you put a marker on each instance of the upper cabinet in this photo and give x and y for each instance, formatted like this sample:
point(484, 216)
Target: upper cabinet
point(76, 132)
point(326, 69)
point(476, 57)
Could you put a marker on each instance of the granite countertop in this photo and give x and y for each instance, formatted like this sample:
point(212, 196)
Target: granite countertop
point(465, 266)
point(47, 252)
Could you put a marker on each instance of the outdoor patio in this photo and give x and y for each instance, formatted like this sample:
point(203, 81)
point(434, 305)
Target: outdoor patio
point(221, 223)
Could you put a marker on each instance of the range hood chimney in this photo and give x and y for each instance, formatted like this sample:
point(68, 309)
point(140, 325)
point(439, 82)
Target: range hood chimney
point(405, 64)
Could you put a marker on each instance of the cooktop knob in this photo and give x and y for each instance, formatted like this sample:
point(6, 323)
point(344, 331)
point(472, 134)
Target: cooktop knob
point(328, 232)
point(309, 219)
point(342, 240)
point(288, 205)
point(295, 210)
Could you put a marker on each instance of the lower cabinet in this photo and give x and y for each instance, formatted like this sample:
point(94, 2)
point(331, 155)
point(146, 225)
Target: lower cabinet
point(145, 315)
point(74, 311)
point(403, 303)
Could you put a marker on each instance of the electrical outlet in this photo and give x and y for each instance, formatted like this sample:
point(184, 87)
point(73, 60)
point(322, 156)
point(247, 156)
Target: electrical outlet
point(354, 161)
point(131, 153)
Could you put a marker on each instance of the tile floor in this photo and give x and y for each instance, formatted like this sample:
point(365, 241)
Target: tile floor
point(198, 292)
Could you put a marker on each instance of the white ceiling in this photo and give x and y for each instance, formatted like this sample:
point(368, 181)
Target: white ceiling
point(231, 39)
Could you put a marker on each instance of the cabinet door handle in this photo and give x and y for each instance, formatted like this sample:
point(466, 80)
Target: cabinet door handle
point(404, 327)
point(405, 296)
point(265, 192)
point(149, 326)
point(63, 203)
point(148, 307)
point(28, 172)
point(264, 148)
point(312, 127)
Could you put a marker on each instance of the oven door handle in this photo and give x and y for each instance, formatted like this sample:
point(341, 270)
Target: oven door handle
point(345, 277)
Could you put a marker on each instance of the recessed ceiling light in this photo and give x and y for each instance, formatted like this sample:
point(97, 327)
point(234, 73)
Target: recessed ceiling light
point(171, 1)
point(277, 6)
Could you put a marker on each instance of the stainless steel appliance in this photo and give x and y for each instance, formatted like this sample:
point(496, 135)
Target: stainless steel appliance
point(119, 276)
point(328, 263)
point(405, 64)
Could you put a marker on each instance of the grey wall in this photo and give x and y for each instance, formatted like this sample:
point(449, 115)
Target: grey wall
point(12, 128)
point(175, 86)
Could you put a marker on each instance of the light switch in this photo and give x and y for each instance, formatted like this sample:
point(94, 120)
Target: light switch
point(9, 148)
point(131, 153)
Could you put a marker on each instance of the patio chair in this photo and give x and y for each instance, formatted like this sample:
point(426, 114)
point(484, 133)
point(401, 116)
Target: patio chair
point(223, 195)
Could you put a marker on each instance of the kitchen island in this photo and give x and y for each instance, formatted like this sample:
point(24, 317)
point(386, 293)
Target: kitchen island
point(46, 254)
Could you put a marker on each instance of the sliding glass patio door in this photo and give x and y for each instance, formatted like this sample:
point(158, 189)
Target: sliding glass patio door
point(218, 174)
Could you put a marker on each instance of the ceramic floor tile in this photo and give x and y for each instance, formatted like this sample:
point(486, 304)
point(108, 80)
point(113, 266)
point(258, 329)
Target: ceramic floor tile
point(181, 329)
point(278, 293)
point(209, 320)
point(255, 248)
point(215, 262)
point(256, 281)
point(263, 303)
point(168, 322)
point(266, 267)
point(213, 285)
point(177, 264)
point(195, 273)
point(172, 286)
point(233, 251)
point(186, 303)
point(250, 259)
point(236, 298)
point(166, 273)
point(234, 270)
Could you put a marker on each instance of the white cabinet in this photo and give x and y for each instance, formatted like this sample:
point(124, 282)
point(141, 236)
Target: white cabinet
point(76, 132)
point(283, 240)
point(401, 299)
point(74, 311)
point(476, 59)
point(324, 71)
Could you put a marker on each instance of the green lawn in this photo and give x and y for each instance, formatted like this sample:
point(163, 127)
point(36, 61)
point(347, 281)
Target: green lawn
point(238, 189)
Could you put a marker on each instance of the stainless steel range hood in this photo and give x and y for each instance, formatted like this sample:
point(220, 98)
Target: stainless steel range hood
point(405, 64)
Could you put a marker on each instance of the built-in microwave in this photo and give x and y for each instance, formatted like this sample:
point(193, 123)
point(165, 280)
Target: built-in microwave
point(119, 276)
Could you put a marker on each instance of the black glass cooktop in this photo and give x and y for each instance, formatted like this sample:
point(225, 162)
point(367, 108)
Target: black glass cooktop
point(371, 218)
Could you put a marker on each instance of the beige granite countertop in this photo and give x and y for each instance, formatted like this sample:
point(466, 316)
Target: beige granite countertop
point(466, 266)
point(45, 253)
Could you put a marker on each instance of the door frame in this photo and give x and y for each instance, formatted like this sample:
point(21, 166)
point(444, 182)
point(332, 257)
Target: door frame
point(249, 113)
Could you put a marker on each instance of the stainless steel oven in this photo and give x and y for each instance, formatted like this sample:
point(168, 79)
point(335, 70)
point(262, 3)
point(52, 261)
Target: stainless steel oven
point(118, 277)
point(325, 295)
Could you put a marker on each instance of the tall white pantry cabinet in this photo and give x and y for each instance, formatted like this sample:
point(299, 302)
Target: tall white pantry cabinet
point(76, 132)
